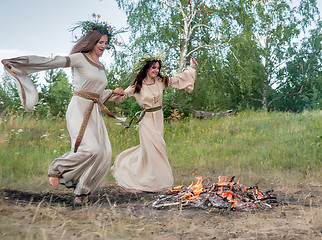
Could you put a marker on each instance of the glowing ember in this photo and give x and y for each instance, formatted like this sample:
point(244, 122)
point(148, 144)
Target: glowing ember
point(223, 194)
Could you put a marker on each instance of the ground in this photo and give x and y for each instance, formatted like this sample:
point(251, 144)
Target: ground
point(115, 214)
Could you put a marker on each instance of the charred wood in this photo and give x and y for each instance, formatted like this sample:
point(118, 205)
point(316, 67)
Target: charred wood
point(226, 194)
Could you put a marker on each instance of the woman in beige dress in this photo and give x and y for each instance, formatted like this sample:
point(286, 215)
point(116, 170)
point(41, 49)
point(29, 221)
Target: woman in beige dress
point(146, 167)
point(85, 166)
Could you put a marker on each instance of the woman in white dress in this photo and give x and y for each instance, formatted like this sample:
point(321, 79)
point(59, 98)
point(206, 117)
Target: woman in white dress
point(85, 166)
point(146, 167)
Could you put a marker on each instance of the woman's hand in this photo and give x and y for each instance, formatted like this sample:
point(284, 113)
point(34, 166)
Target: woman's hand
point(8, 62)
point(193, 62)
point(118, 91)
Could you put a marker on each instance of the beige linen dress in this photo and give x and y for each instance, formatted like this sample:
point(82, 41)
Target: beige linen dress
point(146, 167)
point(85, 169)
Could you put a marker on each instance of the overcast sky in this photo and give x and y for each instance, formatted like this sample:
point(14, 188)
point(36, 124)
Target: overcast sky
point(41, 27)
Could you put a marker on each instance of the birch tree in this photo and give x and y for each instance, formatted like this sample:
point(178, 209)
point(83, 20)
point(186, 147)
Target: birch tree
point(245, 45)
point(304, 75)
point(177, 27)
point(277, 27)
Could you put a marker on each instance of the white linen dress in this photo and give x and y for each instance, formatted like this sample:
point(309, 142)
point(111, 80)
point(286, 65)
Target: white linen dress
point(146, 167)
point(85, 169)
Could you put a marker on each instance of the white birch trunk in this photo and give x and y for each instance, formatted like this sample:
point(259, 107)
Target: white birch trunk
point(188, 15)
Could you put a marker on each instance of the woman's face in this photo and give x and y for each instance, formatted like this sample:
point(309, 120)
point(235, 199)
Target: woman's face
point(100, 46)
point(153, 71)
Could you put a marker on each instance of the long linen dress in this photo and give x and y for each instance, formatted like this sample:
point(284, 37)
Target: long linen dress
point(146, 167)
point(85, 169)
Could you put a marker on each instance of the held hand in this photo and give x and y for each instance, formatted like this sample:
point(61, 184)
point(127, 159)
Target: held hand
point(193, 62)
point(8, 62)
point(118, 91)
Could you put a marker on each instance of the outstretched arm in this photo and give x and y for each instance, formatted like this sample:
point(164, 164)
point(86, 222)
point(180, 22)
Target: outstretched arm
point(20, 67)
point(120, 95)
point(107, 93)
point(118, 91)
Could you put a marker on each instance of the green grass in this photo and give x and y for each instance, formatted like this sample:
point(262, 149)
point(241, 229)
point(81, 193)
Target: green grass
point(251, 145)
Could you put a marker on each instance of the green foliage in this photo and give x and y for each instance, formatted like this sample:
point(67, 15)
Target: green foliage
point(168, 32)
point(251, 55)
point(171, 98)
point(9, 97)
point(250, 47)
point(54, 97)
point(304, 77)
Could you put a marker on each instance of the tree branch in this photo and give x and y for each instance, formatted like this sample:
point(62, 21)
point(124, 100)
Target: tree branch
point(203, 25)
point(171, 6)
point(286, 95)
point(255, 99)
point(237, 59)
point(197, 48)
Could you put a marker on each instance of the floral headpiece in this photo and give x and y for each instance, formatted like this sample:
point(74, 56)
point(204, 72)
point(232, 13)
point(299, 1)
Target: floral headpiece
point(102, 27)
point(141, 63)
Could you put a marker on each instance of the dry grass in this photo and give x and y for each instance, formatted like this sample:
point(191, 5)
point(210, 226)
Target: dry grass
point(35, 222)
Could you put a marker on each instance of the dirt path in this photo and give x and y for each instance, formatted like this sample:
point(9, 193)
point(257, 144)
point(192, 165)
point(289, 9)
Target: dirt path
point(115, 214)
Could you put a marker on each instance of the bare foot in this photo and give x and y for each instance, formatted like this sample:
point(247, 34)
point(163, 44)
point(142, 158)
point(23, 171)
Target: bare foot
point(54, 182)
point(80, 200)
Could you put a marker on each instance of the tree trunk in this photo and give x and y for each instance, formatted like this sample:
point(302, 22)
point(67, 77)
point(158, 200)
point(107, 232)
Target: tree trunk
point(203, 114)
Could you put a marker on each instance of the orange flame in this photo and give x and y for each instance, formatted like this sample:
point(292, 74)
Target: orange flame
point(223, 182)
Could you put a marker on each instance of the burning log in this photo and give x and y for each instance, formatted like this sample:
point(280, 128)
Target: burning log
point(224, 194)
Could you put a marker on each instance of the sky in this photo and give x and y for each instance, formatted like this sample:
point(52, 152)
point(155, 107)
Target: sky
point(41, 27)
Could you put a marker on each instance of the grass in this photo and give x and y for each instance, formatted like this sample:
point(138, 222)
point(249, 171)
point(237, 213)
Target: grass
point(256, 143)
point(279, 150)
point(254, 146)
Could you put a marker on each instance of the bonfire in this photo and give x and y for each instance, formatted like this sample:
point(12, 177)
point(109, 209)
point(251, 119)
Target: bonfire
point(225, 194)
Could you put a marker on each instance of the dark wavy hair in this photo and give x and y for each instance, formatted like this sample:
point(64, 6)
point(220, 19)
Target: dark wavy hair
point(142, 74)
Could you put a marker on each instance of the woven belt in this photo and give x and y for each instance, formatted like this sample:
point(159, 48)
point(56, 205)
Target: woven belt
point(95, 99)
point(142, 113)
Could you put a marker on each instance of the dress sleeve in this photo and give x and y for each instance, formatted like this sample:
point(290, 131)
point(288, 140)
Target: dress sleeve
point(184, 80)
point(30, 64)
point(129, 92)
point(105, 95)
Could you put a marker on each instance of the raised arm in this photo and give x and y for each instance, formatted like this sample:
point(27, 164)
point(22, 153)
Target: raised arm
point(193, 62)
point(186, 79)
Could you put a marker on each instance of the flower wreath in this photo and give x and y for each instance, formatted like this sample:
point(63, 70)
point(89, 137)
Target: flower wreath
point(142, 61)
point(102, 27)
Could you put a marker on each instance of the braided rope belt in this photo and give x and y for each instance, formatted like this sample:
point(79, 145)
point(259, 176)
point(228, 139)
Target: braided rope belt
point(94, 97)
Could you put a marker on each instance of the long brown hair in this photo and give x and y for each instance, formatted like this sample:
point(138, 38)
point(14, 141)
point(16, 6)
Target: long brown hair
point(87, 43)
point(142, 74)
